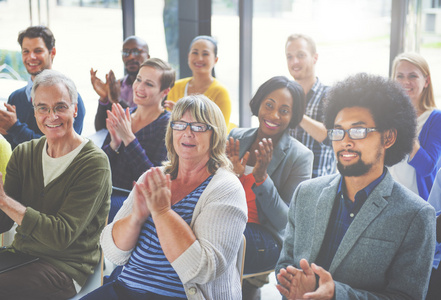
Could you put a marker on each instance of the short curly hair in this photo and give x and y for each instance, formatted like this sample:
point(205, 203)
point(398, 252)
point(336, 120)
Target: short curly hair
point(39, 31)
point(280, 82)
point(385, 99)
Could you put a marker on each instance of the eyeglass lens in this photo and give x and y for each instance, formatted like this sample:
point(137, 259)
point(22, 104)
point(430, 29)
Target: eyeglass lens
point(353, 133)
point(135, 52)
point(196, 127)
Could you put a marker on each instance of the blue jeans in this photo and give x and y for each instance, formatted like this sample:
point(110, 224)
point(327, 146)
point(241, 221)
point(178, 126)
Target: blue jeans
point(115, 290)
point(262, 250)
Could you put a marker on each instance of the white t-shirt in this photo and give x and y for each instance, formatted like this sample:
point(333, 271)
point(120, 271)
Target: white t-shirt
point(404, 173)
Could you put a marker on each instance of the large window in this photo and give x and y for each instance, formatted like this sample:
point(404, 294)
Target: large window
point(351, 36)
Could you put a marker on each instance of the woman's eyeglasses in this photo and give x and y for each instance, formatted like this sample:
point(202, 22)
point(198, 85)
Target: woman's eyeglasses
point(195, 126)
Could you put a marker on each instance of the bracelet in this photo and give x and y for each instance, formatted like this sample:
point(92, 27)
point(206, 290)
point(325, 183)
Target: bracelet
point(117, 149)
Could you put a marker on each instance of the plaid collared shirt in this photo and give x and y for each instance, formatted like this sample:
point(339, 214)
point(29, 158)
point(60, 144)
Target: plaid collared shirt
point(324, 159)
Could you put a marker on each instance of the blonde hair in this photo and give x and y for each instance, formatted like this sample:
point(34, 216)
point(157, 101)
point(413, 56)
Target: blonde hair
point(206, 111)
point(427, 99)
point(307, 38)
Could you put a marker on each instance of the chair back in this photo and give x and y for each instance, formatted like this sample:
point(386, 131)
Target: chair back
point(94, 280)
point(241, 257)
point(117, 199)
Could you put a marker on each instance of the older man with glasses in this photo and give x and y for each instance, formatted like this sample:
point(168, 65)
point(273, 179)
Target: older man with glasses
point(135, 51)
point(359, 234)
point(57, 190)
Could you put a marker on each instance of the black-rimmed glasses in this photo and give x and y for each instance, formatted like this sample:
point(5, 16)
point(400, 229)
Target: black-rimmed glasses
point(195, 126)
point(356, 133)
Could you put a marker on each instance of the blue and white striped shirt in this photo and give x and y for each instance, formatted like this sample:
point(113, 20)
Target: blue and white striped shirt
point(148, 270)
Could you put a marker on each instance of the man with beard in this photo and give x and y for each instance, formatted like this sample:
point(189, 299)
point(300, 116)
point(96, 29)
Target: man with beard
point(359, 234)
point(17, 122)
point(135, 51)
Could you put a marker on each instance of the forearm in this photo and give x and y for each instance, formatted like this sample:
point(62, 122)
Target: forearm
point(174, 234)
point(424, 162)
point(20, 132)
point(271, 204)
point(140, 161)
point(12, 209)
point(314, 128)
point(101, 115)
point(125, 232)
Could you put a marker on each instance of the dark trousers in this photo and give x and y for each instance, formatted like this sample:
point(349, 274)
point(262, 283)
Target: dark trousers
point(262, 250)
point(434, 292)
point(37, 280)
point(115, 290)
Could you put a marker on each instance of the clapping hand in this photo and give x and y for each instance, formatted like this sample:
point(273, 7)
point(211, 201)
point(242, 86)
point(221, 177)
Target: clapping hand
point(113, 87)
point(8, 118)
point(301, 283)
point(169, 104)
point(264, 155)
point(109, 90)
point(156, 191)
point(232, 150)
point(119, 124)
point(99, 86)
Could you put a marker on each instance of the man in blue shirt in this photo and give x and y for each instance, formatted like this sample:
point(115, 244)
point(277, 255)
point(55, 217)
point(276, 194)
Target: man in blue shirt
point(17, 122)
point(359, 234)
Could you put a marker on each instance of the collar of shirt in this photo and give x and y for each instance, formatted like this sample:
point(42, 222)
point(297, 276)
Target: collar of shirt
point(29, 89)
point(313, 89)
point(362, 195)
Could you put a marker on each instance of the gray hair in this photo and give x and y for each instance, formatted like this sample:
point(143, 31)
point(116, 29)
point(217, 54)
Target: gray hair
point(51, 77)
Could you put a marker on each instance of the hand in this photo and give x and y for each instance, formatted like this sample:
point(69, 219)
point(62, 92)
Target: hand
point(294, 283)
point(120, 123)
point(115, 140)
point(232, 150)
point(156, 189)
point(416, 146)
point(2, 191)
point(113, 87)
point(326, 287)
point(8, 118)
point(263, 157)
point(140, 211)
point(99, 86)
point(169, 104)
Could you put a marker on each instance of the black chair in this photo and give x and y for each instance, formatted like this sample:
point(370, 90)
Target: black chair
point(117, 198)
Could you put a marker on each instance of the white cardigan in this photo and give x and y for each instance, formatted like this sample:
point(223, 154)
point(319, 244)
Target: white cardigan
point(208, 267)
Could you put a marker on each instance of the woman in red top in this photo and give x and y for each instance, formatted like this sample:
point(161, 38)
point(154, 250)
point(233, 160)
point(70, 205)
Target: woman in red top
point(270, 164)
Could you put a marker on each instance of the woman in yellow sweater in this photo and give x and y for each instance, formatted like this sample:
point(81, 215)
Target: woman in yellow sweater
point(202, 57)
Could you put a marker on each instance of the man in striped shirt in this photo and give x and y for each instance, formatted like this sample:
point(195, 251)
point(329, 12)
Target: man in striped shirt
point(301, 57)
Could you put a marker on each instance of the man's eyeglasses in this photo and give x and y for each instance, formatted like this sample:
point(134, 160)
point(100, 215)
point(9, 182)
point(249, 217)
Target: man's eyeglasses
point(195, 126)
point(46, 110)
point(135, 52)
point(356, 133)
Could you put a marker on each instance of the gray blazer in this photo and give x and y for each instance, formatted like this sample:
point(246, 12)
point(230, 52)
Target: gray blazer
point(387, 251)
point(291, 164)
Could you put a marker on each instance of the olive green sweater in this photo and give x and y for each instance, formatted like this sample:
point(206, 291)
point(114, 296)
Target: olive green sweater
point(63, 220)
